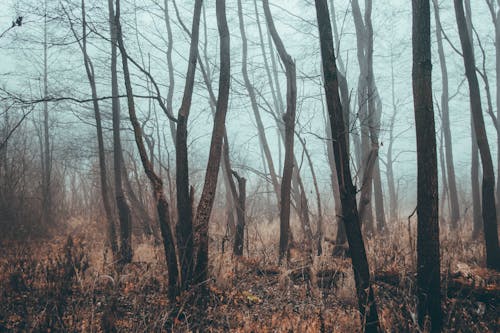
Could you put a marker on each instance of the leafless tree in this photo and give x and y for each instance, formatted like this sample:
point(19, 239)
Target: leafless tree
point(366, 301)
point(289, 120)
point(428, 256)
point(488, 184)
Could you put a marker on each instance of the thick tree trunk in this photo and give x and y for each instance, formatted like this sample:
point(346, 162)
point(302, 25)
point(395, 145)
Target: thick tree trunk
point(428, 256)
point(346, 104)
point(445, 116)
point(124, 216)
point(208, 194)
point(289, 120)
point(366, 301)
point(488, 187)
point(497, 63)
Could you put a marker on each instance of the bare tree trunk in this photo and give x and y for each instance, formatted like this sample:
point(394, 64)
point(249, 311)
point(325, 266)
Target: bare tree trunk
point(497, 63)
point(379, 198)
point(346, 103)
point(428, 260)
point(450, 168)
point(428, 257)
point(289, 120)
point(393, 203)
point(89, 69)
point(171, 75)
point(444, 180)
point(231, 195)
point(240, 226)
point(184, 230)
point(341, 237)
point(156, 182)
point(319, 225)
point(374, 114)
point(365, 104)
point(488, 186)
point(251, 93)
point(123, 208)
point(208, 194)
point(47, 152)
point(366, 301)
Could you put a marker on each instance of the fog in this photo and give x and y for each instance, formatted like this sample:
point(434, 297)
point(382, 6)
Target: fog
point(52, 172)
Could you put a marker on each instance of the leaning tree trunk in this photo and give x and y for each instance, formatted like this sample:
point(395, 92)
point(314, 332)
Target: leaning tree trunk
point(488, 187)
point(156, 182)
point(366, 301)
point(255, 108)
point(289, 120)
point(208, 193)
point(123, 208)
point(278, 114)
point(428, 260)
point(346, 103)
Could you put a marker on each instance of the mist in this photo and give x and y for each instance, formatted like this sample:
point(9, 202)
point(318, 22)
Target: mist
point(324, 165)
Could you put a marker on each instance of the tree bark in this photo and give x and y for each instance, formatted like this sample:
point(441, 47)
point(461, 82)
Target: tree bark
point(289, 120)
point(184, 230)
point(208, 194)
point(239, 237)
point(488, 187)
point(124, 215)
point(366, 301)
point(428, 257)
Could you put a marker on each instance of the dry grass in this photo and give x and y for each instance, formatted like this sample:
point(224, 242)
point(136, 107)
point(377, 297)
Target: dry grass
point(73, 287)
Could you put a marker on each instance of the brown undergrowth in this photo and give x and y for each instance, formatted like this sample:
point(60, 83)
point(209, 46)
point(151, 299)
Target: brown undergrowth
point(70, 284)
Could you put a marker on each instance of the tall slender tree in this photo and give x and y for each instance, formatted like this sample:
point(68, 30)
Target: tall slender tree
point(156, 182)
point(124, 215)
point(184, 230)
point(89, 70)
point(289, 122)
point(488, 186)
point(445, 115)
point(208, 194)
point(366, 300)
point(428, 256)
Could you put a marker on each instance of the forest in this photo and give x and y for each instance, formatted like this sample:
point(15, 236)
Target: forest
point(249, 166)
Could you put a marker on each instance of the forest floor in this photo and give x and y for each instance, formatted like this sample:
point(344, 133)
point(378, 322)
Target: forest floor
point(70, 285)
